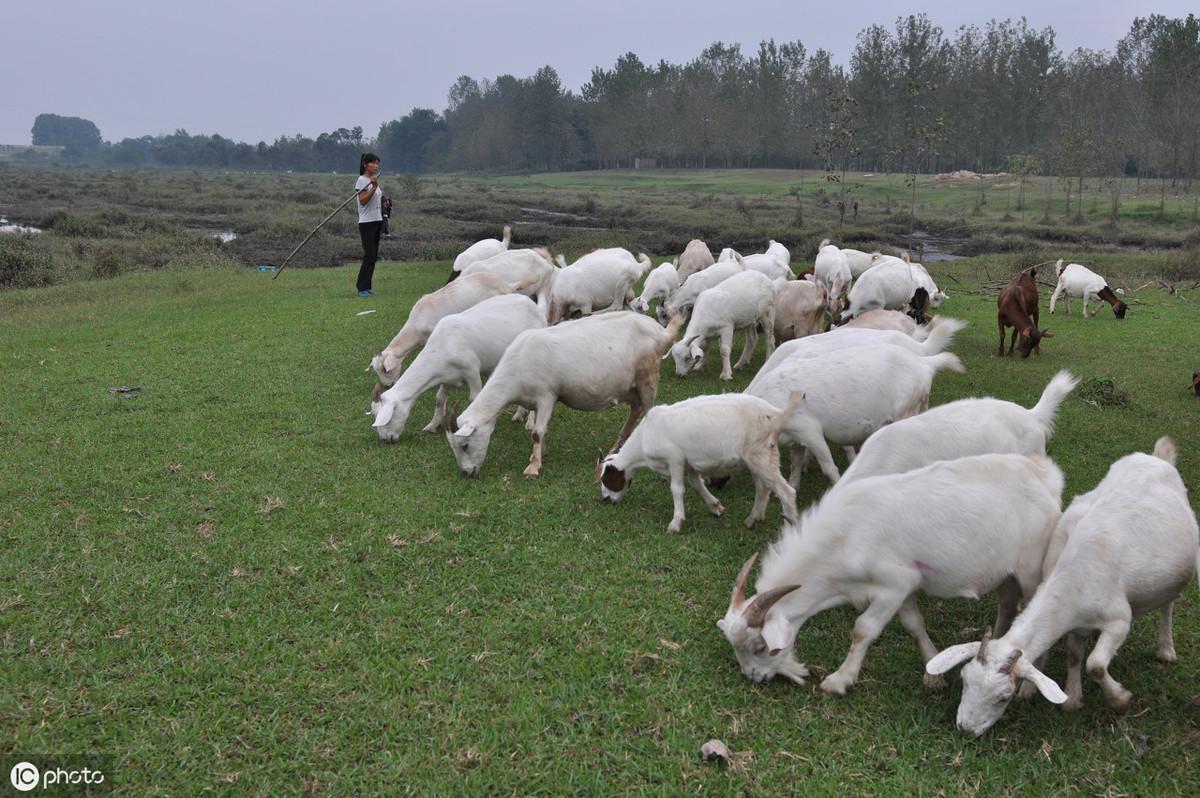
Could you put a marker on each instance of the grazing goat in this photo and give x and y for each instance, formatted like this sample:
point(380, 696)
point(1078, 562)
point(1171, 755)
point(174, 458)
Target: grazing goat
point(1126, 548)
point(890, 284)
point(833, 271)
point(847, 338)
point(480, 250)
point(880, 319)
point(849, 393)
point(859, 261)
point(741, 302)
point(1017, 307)
point(685, 297)
point(961, 429)
point(705, 436)
point(519, 266)
point(660, 286)
point(773, 263)
point(800, 307)
point(696, 257)
point(1079, 281)
point(463, 348)
point(592, 363)
point(599, 281)
point(432, 308)
point(954, 529)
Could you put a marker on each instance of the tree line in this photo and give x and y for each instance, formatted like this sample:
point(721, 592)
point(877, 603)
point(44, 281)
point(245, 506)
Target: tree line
point(1001, 97)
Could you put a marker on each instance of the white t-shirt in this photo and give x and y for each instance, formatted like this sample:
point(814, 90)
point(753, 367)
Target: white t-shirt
point(373, 210)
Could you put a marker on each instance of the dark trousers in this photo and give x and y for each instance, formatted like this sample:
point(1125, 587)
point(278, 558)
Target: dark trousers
point(369, 232)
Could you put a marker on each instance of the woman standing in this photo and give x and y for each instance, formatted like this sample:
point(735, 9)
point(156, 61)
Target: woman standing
point(370, 218)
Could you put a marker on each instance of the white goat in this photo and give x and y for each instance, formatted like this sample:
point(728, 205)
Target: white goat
point(702, 437)
point(480, 250)
point(800, 307)
point(532, 267)
point(849, 394)
point(890, 284)
point(463, 348)
point(685, 297)
point(599, 281)
point(454, 297)
point(592, 363)
point(696, 257)
point(741, 302)
point(880, 319)
point(773, 263)
point(962, 429)
point(840, 338)
point(1079, 281)
point(876, 542)
point(858, 261)
point(660, 286)
point(1128, 547)
point(833, 270)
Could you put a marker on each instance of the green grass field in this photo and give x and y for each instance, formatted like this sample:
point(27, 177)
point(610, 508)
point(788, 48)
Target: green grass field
point(229, 586)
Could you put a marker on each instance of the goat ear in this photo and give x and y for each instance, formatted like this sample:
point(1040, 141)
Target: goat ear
point(391, 362)
point(1045, 685)
point(778, 633)
point(465, 431)
point(951, 658)
point(721, 624)
point(384, 415)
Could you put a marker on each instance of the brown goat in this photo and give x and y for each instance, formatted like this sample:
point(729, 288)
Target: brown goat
point(1018, 308)
point(1196, 382)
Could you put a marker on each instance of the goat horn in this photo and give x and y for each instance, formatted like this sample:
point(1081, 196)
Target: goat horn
point(450, 420)
point(756, 613)
point(739, 586)
point(983, 644)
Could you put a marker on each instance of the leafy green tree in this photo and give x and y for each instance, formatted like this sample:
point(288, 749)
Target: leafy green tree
point(78, 135)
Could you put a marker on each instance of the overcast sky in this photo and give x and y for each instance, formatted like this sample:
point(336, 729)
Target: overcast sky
point(253, 70)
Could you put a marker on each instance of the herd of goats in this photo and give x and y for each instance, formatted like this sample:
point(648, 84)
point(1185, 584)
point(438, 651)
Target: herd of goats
point(955, 501)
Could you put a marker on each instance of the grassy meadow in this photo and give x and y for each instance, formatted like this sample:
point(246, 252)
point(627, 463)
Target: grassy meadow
point(224, 582)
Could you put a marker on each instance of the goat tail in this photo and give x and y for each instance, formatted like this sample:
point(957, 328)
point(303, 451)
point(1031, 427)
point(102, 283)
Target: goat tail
point(1056, 391)
point(544, 253)
point(1058, 267)
point(946, 361)
point(670, 333)
point(644, 261)
point(941, 336)
point(1164, 449)
point(507, 236)
point(824, 243)
point(524, 283)
point(795, 401)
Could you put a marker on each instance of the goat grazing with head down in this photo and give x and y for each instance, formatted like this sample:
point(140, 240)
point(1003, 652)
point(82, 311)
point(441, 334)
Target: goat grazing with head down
point(591, 363)
point(1079, 281)
point(1128, 547)
point(954, 529)
point(705, 436)
point(1017, 307)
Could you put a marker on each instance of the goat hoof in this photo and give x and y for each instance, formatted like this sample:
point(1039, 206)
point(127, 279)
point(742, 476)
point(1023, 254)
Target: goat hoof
point(674, 527)
point(834, 685)
point(1121, 701)
point(1027, 690)
point(934, 681)
point(726, 377)
point(1165, 655)
point(431, 427)
point(751, 521)
point(531, 471)
point(1072, 705)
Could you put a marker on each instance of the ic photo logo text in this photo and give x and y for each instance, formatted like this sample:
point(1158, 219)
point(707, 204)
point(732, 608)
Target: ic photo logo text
point(26, 776)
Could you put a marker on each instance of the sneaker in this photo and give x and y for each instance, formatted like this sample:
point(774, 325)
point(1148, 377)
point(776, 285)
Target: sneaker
point(366, 293)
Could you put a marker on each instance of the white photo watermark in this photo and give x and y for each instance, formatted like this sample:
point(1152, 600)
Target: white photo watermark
point(65, 776)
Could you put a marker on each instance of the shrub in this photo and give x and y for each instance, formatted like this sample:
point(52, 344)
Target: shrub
point(22, 266)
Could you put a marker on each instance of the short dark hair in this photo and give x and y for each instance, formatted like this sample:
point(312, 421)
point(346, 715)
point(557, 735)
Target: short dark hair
point(367, 157)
